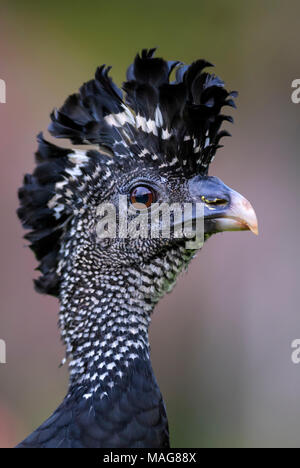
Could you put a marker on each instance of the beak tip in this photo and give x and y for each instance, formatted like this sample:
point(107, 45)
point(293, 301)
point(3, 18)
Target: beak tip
point(254, 229)
point(253, 225)
point(242, 213)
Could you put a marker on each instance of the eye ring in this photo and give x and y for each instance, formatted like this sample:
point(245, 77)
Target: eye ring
point(142, 196)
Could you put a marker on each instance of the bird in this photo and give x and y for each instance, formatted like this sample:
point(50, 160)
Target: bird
point(150, 142)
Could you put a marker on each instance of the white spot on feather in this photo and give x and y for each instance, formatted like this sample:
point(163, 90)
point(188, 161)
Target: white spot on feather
point(158, 117)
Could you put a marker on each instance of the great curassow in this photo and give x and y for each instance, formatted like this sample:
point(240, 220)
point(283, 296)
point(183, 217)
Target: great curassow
point(152, 143)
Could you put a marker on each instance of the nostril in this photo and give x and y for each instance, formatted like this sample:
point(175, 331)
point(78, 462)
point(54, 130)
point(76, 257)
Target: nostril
point(214, 201)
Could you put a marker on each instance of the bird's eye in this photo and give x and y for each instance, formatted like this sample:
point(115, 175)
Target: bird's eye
point(142, 196)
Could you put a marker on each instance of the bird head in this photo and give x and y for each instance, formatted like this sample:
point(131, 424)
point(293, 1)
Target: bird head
point(143, 149)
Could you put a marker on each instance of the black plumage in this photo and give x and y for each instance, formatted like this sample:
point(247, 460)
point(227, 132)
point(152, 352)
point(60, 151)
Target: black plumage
point(153, 133)
point(133, 416)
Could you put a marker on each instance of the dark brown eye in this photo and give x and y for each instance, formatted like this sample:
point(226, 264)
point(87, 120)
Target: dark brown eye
point(142, 196)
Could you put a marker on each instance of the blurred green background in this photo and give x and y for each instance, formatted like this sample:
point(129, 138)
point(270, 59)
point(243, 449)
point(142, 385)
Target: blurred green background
point(221, 341)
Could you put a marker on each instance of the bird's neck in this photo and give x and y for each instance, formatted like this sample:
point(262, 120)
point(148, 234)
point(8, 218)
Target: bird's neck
point(105, 327)
point(104, 319)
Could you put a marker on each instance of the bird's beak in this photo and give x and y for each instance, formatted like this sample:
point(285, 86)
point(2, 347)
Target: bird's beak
point(224, 208)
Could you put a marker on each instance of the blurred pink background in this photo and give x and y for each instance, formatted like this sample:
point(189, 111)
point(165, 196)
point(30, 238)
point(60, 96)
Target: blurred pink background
point(221, 342)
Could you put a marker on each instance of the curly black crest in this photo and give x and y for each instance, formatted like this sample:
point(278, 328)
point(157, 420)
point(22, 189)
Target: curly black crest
point(173, 125)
